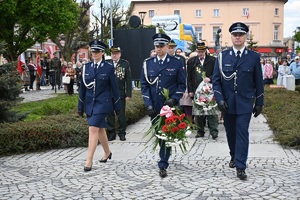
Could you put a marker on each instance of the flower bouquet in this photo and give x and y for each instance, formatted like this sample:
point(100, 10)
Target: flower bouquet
point(170, 126)
point(204, 101)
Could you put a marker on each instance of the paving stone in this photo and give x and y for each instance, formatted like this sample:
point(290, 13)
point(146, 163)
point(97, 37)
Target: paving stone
point(201, 173)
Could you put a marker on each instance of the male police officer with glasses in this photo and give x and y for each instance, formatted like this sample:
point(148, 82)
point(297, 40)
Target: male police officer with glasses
point(159, 72)
point(239, 90)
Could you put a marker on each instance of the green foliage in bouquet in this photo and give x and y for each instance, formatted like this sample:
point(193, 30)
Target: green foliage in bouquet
point(170, 126)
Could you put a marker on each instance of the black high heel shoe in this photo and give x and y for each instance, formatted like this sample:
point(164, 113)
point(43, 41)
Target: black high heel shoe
point(105, 160)
point(87, 169)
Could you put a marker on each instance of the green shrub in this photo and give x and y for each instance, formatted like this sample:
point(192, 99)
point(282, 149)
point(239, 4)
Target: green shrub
point(282, 112)
point(10, 88)
point(56, 125)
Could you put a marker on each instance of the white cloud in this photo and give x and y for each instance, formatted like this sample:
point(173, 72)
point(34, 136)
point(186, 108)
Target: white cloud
point(291, 17)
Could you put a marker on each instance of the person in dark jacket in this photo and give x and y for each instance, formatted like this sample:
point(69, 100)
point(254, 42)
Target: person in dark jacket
point(196, 67)
point(123, 73)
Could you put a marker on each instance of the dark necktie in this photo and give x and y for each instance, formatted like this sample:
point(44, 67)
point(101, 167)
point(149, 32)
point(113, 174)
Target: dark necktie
point(238, 55)
point(95, 68)
point(160, 62)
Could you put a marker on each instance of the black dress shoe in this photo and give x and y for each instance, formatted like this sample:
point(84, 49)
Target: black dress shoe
point(241, 174)
point(199, 135)
point(122, 137)
point(111, 137)
point(105, 160)
point(232, 163)
point(87, 169)
point(163, 173)
point(214, 137)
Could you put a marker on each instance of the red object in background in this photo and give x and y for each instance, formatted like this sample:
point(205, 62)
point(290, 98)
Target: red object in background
point(264, 50)
point(21, 61)
point(290, 50)
point(279, 50)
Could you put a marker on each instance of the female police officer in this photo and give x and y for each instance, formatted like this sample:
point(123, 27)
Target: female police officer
point(98, 95)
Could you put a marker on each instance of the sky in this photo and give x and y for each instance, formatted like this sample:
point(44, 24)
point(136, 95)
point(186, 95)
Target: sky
point(291, 17)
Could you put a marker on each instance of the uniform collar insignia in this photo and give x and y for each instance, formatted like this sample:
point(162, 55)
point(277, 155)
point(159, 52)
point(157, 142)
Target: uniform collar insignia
point(168, 59)
point(230, 53)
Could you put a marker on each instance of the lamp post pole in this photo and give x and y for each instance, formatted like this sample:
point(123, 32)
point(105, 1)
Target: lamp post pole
point(101, 19)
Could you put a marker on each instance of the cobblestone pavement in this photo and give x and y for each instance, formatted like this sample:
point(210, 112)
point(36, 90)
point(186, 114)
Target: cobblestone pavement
point(202, 173)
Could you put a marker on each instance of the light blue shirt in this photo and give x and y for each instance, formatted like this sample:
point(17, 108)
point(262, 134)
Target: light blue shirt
point(295, 68)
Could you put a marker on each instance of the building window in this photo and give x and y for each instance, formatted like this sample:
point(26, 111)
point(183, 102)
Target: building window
point(176, 12)
point(276, 32)
point(216, 12)
point(198, 13)
point(276, 11)
point(215, 29)
point(151, 13)
point(198, 32)
point(246, 12)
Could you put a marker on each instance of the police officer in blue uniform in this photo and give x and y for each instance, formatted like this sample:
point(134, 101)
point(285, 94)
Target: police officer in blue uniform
point(159, 72)
point(239, 90)
point(98, 96)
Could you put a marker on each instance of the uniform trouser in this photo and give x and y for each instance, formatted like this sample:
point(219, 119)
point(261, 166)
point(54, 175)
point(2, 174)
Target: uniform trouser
point(111, 127)
point(164, 154)
point(70, 87)
point(212, 121)
point(237, 132)
point(32, 78)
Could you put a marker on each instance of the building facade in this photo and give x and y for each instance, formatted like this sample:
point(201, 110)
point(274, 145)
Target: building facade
point(265, 19)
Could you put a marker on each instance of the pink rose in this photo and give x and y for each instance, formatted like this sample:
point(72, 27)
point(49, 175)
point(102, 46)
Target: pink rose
point(206, 80)
point(166, 111)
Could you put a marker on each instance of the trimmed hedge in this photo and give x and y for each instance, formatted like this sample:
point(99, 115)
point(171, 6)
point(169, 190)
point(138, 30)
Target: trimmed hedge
point(282, 112)
point(56, 130)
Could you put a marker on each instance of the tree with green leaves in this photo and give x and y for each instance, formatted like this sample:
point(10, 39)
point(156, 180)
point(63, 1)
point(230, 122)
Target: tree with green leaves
point(252, 44)
point(23, 23)
point(120, 17)
point(297, 39)
point(193, 45)
point(10, 88)
point(78, 37)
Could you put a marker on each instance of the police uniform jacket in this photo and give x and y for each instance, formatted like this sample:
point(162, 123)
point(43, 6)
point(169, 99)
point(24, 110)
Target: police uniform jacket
point(171, 75)
point(123, 73)
point(240, 93)
point(207, 67)
point(99, 91)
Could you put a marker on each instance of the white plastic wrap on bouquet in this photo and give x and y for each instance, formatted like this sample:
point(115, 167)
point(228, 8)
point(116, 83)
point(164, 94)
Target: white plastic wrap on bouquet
point(204, 101)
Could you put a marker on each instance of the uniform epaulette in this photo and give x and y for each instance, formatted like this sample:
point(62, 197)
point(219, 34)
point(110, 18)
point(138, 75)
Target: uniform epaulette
point(107, 62)
point(225, 50)
point(177, 57)
point(252, 51)
point(148, 59)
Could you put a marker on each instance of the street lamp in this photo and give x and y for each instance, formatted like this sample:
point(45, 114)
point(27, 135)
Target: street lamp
point(101, 19)
point(142, 16)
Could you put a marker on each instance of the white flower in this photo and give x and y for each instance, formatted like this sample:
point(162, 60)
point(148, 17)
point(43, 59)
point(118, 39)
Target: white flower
point(179, 142)
point(188, 132)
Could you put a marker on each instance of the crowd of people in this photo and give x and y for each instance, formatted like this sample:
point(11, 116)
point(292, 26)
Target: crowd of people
point(53, 71)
